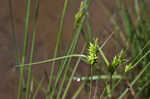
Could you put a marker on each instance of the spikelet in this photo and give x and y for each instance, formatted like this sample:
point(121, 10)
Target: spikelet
point(92, 52)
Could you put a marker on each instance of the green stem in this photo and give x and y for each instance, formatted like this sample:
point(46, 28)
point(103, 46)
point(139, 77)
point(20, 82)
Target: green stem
point(91, 83)
point(78, 91)
point(104, 57)
point(134, 81)
point(71, 77)
point(24, 49)
point(38, 88)
point(110, 85)
point(32, 50)
point(66, 62)
point(53, 59)
point(57, 43)
point(141, 90)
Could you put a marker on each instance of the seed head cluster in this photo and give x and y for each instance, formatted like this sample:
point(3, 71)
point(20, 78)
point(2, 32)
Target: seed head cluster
point(92, 52)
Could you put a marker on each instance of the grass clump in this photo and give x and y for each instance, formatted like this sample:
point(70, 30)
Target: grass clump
point(103, 73)
point(137, 35)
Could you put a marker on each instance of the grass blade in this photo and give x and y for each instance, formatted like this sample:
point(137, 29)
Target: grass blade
point(134, 81)
point(73, 73)
point(32, 49)
point(37, 89)
point(71, 50)
point(57, 43)
point(24, 49)
point(78, 91)
point(53, 59)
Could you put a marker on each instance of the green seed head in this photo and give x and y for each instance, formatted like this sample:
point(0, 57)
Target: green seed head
point(117, 60)
point(92, 52)
point(128, 67)
point(92, 59)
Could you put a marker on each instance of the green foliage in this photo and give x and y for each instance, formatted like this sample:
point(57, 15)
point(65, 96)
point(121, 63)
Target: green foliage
point(137, 35)
point(137, 32)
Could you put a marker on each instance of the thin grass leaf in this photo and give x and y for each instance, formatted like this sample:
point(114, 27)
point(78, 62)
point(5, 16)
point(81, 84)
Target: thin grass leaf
point(89, 28)
point(70, 78)
point(102, 94)
point(140, 92)
point(20, 85)
point(141, 52)
point(102, 53)
point(134, 81)
point(66, 62)
point(137, 12)
point(70, 51)
point(147, 53)
point(118, 30)
point(57, 43)
point(39, 84)
point(91, 81)
point(116, 25)
point(67, 66)
point(53, 59)
point(78, 90)
point(126, 19)
point(37, 89)
point(103, 56)
point(32, 48)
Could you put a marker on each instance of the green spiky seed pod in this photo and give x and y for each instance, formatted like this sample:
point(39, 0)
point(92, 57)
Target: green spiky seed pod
point(117, 60)
point(128, 67)
point(92, 52)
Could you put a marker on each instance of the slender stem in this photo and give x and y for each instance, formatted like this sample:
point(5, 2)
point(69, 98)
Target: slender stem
point(53, 59)
point(78, 91)
point(95, 91)
point(111, 74)
point(66, 62)
point(71, 77)
point(134, 81)
point(38, 88)
point(73, 46)
point(24, 49)
point(104, 57)
point(32, 49)
point(102, 94)
point(91, 81)
point(141, 90)
point(57, 43)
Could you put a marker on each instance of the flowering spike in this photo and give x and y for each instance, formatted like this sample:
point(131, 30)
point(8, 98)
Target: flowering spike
point(128, 67)
point(92, 52)
point(117, 60)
